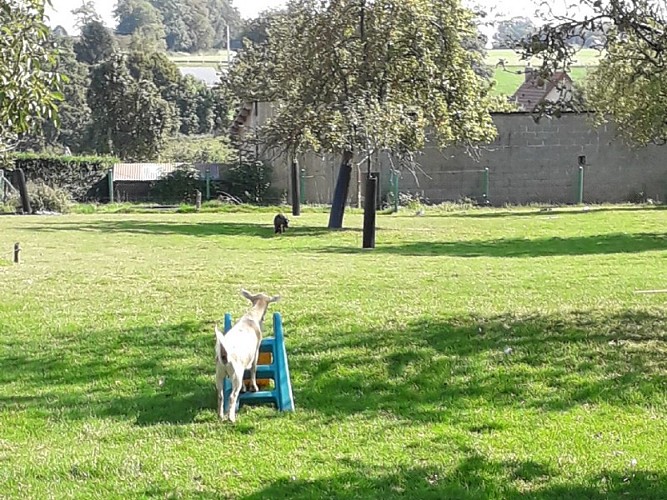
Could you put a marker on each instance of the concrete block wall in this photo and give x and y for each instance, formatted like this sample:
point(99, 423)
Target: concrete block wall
point(528, 163)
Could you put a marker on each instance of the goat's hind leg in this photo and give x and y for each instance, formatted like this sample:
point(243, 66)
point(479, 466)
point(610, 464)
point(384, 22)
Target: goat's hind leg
point(253, 372)
point(220, 389)
point(237, 383)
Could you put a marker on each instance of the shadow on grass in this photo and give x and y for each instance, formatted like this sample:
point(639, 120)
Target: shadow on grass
point(429, 370)
point(435, 370)
point(201, 229)
point(539, 247)
point(546, 212)
point(151, 375)
point(473, 478)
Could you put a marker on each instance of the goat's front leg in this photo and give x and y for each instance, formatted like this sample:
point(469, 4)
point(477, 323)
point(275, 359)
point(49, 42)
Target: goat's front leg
point(237, 383)
point(253, 372)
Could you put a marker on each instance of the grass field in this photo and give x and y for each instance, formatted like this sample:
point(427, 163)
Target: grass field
point(507, 81)
point(403, 377)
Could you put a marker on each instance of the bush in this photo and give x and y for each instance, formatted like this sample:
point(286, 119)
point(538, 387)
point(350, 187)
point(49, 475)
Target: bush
point(180, 186)
point(44, 198)
point(82, 177)
point(250, 180)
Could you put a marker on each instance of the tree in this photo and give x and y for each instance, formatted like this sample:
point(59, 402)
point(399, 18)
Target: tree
point(187, 24)
point(630, 83)
point(132, 120)
point(222, 14)
point(29, 88)
point(510, 31)
point(96, 44)
point(73, 112)
point(86, 14)
point(143, 22)
point(194, 105)
point(357, 76)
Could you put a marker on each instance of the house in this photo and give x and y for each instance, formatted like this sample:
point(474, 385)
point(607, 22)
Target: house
point(536, 90)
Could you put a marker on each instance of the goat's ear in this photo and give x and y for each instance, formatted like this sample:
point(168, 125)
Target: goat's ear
point(275, 298)
point(247, 294)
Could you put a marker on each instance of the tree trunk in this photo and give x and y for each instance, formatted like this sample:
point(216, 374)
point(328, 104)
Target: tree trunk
point(340, 193)
point(19, 180)
point(296, 189)
point(370, 207)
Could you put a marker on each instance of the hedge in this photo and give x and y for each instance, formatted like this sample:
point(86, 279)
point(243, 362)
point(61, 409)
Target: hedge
point(82, 176)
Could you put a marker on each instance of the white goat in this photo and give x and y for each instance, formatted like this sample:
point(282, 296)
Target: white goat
point(238, 350)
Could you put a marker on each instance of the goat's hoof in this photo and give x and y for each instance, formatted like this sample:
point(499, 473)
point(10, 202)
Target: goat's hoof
point(254, 388)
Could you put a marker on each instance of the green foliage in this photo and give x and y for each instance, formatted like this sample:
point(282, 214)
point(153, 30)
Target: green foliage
point(86, 14)
point(29, 89)
point(44, 198)
point(629, 85)
point(72, 129)
point(179, 186)
point(409, 73)
point(131, 118)
point(196, 25)
point(249, 180)
point(96, 44)
point(78, 176)
point(197, 149)
point(141, 20)
point(509, 31)
point(634, 96)
point(196, 109)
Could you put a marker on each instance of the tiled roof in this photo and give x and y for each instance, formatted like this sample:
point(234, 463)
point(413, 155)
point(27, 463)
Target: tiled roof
point(531, 93)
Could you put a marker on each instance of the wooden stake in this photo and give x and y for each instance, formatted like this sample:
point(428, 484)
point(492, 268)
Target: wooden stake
point(17, 253)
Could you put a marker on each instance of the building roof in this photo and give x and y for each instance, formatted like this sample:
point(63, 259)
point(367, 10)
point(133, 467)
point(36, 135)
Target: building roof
point(146, 172)
point(142, 171)
point(534, 89)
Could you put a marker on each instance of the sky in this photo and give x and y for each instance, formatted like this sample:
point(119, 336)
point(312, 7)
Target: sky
point(60, 13)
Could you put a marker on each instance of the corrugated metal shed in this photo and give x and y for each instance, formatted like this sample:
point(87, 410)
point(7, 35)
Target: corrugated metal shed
point(142, 171)
point(146, 172)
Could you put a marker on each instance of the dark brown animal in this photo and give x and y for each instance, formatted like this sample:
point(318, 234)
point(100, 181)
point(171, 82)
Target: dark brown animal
point(280, 223)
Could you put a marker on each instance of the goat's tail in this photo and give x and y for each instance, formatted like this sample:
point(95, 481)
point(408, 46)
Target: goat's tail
point(219, 335)
point(220, 354)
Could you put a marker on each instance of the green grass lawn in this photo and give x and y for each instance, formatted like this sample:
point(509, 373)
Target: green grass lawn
point(585, 57)
point(401, 380)
point(511, 78)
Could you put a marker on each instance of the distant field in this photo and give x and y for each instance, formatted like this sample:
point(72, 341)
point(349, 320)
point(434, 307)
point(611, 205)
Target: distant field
point(508, 80)
point(585, 57)
point(207, 59)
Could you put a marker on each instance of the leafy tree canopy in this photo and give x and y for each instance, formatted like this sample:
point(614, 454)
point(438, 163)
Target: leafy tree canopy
point(509, 31)
point(96, 43)
point(630, 83)
point(348, 73)
point(356, 76)
point(29, 88)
